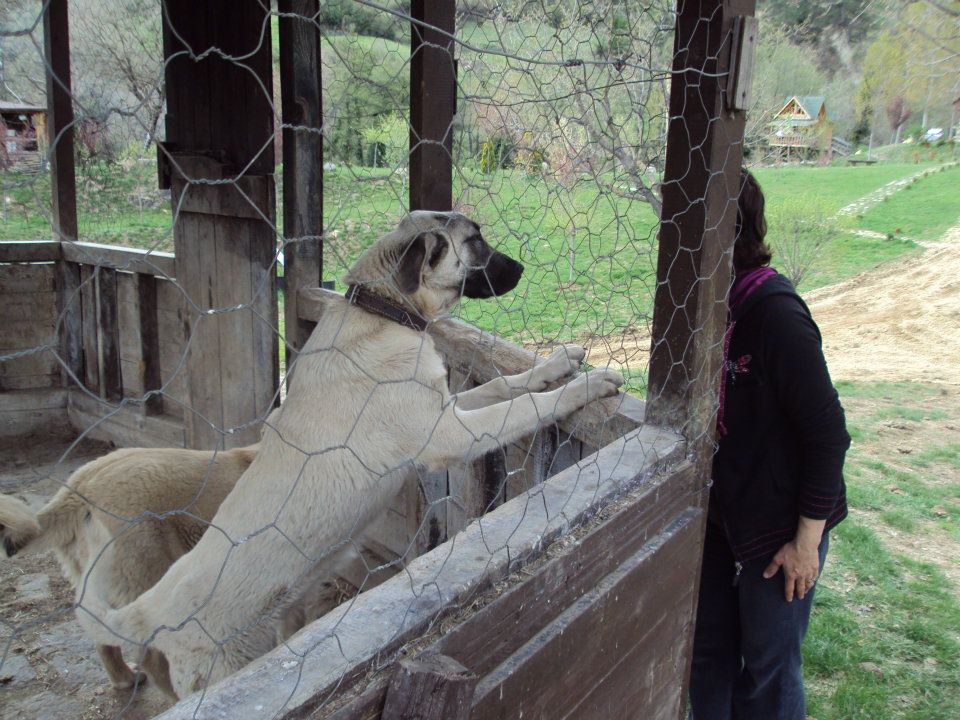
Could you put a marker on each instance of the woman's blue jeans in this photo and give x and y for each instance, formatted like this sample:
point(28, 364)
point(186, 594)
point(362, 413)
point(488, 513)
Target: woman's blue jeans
point(747, 663)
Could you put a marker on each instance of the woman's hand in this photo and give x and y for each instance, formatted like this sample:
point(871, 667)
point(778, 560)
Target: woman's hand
point(799, 559)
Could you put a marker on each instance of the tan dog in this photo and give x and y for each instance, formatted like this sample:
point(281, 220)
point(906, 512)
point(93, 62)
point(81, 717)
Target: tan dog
point(367, 404)
point(120, 522)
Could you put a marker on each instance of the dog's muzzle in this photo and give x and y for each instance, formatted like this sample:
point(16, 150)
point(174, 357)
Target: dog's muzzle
point(500, 275)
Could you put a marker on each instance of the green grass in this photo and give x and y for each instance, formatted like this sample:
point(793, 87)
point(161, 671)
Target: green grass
point(884, 639)
point(898, 614)
point(835, 187)
point(923, 210)
point(590, 255)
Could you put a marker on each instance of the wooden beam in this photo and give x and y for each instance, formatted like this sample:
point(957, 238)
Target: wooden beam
point(302, 113)
point(56, 46)
point(700, 189)
point(433, 103)
point(29, 251)
point(436, 687)
point(149, 262)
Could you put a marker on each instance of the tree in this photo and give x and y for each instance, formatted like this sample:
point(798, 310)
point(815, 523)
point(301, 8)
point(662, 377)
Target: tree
point(897, 115)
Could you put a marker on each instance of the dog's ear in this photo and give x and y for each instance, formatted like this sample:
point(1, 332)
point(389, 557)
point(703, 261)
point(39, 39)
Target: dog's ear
point(440, 246)
point(424, 245)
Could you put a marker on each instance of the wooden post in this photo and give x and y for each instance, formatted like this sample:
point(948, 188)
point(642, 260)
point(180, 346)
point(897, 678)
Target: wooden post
point(432, 688)
point(56, 47)
point(302, 114)
point(700, 189)
point(219, 124)
point(433, 103)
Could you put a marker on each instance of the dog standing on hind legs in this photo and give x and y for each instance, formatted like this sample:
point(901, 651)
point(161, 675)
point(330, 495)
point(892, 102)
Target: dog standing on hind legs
point(368, 399)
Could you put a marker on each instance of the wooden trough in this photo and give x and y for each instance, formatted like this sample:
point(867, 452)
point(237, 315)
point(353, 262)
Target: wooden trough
point(565, 587)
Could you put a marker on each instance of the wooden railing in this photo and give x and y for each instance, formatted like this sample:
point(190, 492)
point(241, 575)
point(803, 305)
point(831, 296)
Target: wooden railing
point(130, 335)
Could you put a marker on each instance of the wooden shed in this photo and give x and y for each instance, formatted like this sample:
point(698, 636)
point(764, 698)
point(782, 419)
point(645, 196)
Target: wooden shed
point(575, 594)
point(801, 129)
point(23, 135)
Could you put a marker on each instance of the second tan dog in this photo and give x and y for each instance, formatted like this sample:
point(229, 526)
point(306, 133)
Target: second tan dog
point(120, 522)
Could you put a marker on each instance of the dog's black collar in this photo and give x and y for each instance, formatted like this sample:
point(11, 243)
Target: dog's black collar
point(371, 302)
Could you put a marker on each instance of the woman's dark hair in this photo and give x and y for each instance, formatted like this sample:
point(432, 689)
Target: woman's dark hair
point(749, 249)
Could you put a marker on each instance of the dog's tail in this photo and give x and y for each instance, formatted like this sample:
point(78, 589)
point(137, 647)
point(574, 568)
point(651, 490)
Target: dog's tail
point(54, 527)
point(20, 527)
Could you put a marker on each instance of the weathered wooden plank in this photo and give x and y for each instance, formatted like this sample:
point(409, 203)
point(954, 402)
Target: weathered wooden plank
point(108, 325)
point(196, 274)
point(29, 250)
point(436, 687)
point(28, 306)
point(91, 341)
point(150, 377)
point(52, 399)
point(433, 103)
point(38, 363)
point(234, 293)
point(35, 410)
point(27, 334)
point(296, 678)
point(487, 638)
point(151, 262)
point(122, 423)
point(27, 278)
point(302, 109)
point(31, 382)
point(239, 197)
point(549, 675)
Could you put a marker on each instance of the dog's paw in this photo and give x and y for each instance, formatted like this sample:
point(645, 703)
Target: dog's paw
point(135, 677)
point(563, 362)
point(604, 382)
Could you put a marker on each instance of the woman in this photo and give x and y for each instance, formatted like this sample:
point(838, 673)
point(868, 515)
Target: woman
point(777, 491)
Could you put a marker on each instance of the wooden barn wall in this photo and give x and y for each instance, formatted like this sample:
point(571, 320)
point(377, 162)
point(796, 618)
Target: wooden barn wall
point(30, 398)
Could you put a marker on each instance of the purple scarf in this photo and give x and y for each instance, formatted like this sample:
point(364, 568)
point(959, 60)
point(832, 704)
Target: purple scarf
point(744, 285)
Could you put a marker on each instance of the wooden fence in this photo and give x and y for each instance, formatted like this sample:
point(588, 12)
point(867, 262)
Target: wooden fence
point(130, 327)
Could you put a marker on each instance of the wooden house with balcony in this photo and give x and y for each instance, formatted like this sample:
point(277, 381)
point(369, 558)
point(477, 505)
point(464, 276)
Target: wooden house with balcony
point(801, 129)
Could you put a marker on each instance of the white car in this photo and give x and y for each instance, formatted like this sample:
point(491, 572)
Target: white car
point(933, 134)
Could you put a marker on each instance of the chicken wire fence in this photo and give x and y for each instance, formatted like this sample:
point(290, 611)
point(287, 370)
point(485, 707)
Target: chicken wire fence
point(558, 148)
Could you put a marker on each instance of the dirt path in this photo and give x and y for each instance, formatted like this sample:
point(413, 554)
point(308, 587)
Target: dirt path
point(901, 322)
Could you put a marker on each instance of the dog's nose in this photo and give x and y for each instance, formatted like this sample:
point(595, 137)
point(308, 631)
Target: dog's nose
point(500, 275)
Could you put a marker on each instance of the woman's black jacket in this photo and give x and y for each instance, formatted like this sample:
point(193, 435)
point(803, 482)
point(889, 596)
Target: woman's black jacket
point(782, 454)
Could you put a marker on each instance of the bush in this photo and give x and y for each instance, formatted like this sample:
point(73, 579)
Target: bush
point(798, 232)
point(496, 154)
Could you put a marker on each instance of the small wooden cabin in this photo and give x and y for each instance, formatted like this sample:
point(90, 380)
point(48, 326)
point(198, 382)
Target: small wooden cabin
point(23, 127)
point(801, 129)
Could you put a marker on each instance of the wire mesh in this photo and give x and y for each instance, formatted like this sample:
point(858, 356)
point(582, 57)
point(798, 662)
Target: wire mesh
point(371, 454)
